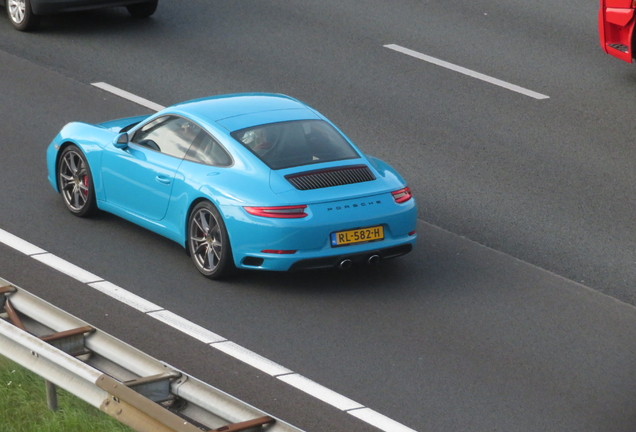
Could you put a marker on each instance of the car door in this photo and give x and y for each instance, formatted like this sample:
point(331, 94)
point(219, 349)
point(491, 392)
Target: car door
point(616, 28)
point(140, 177)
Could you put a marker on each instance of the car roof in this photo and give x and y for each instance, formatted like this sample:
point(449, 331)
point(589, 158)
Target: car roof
point(238, 111)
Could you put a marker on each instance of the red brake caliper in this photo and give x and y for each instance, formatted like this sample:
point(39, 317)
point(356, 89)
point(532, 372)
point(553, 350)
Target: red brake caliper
point(85, 181)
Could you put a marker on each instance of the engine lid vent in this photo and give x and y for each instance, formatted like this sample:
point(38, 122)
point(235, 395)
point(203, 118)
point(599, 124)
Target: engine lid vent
point(331, 177)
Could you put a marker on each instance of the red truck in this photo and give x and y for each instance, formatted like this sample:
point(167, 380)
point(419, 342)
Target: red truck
point(616, 27)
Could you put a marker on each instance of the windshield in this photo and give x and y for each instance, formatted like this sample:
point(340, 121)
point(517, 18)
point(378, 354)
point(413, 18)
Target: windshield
point(294, 143)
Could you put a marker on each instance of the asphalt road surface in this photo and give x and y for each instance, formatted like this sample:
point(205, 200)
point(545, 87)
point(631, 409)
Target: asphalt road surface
point(514, 312)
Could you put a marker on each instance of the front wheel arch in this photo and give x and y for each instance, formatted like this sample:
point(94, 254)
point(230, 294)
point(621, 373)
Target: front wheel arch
point(78, 193)
point(57, 161)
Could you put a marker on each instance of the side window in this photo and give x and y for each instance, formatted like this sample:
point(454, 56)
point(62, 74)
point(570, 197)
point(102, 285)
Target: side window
point(207, 150)
point(170, 135)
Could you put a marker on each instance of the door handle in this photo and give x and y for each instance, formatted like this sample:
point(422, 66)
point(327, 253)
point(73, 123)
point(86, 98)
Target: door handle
point(163, 180)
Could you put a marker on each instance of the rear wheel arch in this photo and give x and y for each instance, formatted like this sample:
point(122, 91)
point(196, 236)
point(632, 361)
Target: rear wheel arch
point(207, 240)
point(193, 204)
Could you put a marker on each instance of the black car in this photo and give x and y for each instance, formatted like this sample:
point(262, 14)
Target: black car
point(25, 14)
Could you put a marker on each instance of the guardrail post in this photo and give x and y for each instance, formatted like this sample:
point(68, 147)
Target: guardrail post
point(51, 395)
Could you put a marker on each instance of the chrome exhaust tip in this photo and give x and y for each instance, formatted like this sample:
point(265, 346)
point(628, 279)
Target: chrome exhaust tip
point(345, 264)
point(373, 260)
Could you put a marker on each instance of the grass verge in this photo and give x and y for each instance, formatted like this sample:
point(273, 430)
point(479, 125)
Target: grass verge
point(23, 406)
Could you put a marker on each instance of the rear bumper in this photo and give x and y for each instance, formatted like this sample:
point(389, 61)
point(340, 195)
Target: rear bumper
point(359, 258)
point(305, 243)
point(329, 258)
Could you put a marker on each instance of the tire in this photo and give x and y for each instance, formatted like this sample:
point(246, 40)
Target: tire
point(75, 182)
point(142, 10)
point(208, 242)
point(21, 15)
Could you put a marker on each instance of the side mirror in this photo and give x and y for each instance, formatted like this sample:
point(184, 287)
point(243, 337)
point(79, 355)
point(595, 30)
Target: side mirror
point(121, 141)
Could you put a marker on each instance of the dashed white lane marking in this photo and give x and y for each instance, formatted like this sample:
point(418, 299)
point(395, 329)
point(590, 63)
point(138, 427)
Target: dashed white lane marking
point(187, 327)
point(463, 70)
point(127, 95)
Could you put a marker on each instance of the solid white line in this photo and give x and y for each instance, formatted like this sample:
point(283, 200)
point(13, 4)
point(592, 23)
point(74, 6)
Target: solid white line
point(380, 421)
point(131, 97)
point(212, 339)
point(126, 297)
point(67, 268)
point(187, 327)
point(320, 392)
point(17, 243)
point(463, 70)
point(251, 358)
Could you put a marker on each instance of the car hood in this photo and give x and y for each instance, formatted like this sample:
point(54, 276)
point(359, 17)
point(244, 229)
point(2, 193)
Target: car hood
point(117, 125)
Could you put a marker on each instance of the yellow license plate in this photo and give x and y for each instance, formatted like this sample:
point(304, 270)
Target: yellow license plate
point(360, 235)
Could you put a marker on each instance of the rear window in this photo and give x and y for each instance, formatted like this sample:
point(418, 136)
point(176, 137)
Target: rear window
point(295, 143)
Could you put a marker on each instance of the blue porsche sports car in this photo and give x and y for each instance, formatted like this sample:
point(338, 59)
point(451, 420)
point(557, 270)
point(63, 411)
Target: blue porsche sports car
point(254, 181)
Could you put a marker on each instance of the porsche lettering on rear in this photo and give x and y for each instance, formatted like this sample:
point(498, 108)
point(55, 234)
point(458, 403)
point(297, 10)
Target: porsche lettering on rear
point(348, 206)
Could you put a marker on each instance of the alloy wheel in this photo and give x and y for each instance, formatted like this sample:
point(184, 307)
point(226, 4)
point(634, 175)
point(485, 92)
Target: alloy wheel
point(74, 181)
point(206, 240)
point(17, 10)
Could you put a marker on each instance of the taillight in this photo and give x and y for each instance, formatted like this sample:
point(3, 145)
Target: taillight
point(402, 195)
point(286, 212)
point(278, 252)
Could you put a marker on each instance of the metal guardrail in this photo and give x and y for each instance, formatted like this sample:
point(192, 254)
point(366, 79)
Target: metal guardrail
point(134, 388)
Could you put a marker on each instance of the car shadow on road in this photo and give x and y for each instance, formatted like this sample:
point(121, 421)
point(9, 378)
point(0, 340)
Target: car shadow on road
point(377, 277)
point(113, 20)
